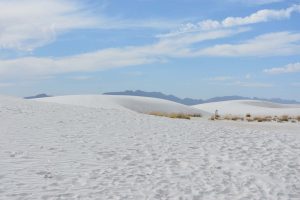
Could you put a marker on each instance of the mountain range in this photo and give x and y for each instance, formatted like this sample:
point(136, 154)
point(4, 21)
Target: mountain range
point(190, 101)
point(185, 101)
point(37, 96)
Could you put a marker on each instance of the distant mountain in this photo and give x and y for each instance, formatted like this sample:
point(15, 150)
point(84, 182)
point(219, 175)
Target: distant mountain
point(37, 96)
point(226, 98)
point(186, 101)
point(189, 101)
point(278, 100)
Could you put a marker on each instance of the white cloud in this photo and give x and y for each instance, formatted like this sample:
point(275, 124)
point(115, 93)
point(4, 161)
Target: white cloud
point(221, 78)
point(248, 76)
point(175, 47)
point(28, 24)
point(290, 68)
point(228, 78)
point(253, 84)
point(109, 58)
point(296, 84)
point(99, 60)
point(6, 85)
point(257, 17)
point(256, 2)
point(241, 82)
point(271, 44)
point(133, 73)
point(80, 78)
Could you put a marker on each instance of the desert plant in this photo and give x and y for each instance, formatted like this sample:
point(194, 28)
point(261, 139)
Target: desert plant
point(227, 117)
point(261, 118)
point(256, 118)
point(179, 116)
point(195, 115)
point(215, 117)
point(235, 118)
point(171, 115)
point(250, 119)
point(298, 118)
point(283, 118)
point(268, 118)
point(156, 114)
point(248, 115)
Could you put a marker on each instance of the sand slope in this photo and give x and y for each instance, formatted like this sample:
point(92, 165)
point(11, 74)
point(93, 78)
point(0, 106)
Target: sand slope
point(138, 104)
point(242, 107)
point(54, 151)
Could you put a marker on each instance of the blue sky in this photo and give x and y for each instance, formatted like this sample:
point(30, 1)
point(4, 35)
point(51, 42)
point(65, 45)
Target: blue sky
point(188, 48)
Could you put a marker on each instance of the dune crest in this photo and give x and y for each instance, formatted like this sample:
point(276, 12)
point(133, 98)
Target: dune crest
point(133, 103)
point(254, 107)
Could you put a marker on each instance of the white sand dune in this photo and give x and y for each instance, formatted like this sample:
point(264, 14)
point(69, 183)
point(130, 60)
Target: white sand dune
point(242, 107)
point(55, 151)
point(138, 104)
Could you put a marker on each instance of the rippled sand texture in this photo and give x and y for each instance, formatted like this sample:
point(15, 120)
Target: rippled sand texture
point(52, 151)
